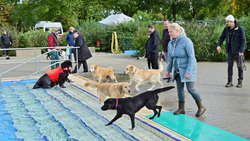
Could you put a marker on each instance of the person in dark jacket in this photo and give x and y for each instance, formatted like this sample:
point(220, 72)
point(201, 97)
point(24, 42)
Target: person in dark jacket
point(235, 46)
point(146, 50)
point(83, 52)
point(165, 39)
point(153, 46)
point(7, 42)
point(70, 41)
point(53, 42)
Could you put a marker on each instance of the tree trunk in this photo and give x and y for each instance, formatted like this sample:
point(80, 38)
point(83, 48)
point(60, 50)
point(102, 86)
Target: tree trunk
point(174, 12)
point(194, 14)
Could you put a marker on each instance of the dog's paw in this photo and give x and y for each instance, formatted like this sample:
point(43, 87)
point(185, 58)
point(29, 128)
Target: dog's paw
point(151, 118)
point(108, 124)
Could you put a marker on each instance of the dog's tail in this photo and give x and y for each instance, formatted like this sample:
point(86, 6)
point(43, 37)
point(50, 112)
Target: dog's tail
point(90, 83)
point(163, 89)
point(160, 67)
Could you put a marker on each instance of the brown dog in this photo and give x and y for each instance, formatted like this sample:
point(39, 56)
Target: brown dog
point(112, 90)
point(99, 73)
point(140, 76)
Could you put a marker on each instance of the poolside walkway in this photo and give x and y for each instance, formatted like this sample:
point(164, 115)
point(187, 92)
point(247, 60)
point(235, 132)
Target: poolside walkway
point(227, 108)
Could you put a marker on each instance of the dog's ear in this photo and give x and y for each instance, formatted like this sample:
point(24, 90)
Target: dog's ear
point(120, 86)
point(111, 103)
point(95, 66)
point(132, 68)
point(66, 64)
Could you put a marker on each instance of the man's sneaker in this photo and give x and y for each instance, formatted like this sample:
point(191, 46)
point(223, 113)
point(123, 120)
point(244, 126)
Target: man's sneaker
point(239, 85)
point(229, 84)
point(8, 58)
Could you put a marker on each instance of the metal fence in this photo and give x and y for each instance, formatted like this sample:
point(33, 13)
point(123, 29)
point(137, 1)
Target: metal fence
point(37, 61)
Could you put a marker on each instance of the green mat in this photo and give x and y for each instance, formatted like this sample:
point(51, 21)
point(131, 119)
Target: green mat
point(194, 129)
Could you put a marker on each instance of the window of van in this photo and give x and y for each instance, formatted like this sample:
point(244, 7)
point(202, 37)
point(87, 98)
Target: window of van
point(50, 29)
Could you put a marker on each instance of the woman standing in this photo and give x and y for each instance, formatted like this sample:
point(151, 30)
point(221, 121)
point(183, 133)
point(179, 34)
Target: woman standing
point(181, 59)
point(82, 52)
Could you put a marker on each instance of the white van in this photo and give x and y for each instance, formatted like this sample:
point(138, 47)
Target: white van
point(48, 26)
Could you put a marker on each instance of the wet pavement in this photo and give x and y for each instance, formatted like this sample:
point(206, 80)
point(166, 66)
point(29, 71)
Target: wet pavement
point(227, 108)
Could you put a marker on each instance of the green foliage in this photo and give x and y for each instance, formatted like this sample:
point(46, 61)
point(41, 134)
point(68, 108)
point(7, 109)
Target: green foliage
point(33, 38)
point(205, 40)
point(140, 39)
point(92, 31)
point(245, 23)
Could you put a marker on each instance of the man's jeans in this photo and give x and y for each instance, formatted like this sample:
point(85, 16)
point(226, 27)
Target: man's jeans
point(230, 60)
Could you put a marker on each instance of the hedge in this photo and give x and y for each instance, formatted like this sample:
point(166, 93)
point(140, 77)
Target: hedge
point(205, 38)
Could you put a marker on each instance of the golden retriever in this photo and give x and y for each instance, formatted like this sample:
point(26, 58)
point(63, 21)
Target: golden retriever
point(112, 90)
point(140, 76)
point(99, 73)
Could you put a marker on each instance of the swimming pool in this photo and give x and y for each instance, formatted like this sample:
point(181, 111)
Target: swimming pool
point(59, 114)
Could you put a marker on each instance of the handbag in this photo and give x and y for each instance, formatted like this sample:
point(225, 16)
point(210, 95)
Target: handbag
point(68, 51)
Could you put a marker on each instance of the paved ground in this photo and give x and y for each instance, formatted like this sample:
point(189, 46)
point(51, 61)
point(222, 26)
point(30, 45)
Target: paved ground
point(227, 108)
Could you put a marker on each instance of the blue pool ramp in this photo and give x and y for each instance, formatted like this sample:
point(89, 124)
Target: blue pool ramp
point(194, 129)
point(132, 52)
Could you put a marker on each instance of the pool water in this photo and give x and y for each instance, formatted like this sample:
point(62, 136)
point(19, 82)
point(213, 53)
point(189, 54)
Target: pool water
point(54, 114)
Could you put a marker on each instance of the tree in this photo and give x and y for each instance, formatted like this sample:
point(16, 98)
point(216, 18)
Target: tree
point(28, 12)
point(175, 6)
point(5, 13)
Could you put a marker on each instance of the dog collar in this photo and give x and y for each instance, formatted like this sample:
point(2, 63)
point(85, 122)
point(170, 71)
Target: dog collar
point(134, 72)
point(116, 104)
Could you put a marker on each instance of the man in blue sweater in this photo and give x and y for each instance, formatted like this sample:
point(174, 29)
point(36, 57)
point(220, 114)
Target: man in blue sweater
point(70, 41)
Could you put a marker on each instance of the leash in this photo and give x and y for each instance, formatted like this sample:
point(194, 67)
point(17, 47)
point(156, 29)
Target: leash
point(116, 104)
point(244, 65)
point(243, 60)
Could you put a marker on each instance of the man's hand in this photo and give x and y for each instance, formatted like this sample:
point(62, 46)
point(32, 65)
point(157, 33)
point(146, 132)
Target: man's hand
point(167, 74)
point(241, 54)
point(218, 49)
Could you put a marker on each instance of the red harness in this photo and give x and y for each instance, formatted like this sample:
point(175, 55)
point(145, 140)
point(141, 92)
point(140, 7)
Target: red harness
point(54, 74)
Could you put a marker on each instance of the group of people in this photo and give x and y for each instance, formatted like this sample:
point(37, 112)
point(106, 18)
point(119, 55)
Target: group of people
point(75, 39)
point(178, 50)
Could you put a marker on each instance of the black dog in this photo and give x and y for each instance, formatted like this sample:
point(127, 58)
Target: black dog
point(131, 105)
point(54, 77)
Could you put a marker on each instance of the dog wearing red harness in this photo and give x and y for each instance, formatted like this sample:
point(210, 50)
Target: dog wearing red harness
point(54, 77)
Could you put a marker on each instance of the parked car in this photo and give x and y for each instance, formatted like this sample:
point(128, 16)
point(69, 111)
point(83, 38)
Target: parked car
point(47, 26)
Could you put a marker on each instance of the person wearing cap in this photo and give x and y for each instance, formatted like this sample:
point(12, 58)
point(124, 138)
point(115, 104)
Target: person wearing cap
point(53, 42)
point(235, 46)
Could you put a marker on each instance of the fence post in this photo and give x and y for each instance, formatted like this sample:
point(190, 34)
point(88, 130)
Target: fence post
point(35, 59)
point(0, 82)
point(76, 62)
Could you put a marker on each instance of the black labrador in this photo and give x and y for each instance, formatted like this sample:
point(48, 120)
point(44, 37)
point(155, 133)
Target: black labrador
point(56, 76)
point(131, 105)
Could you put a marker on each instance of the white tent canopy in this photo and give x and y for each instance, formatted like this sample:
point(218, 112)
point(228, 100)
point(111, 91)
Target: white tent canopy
point(114, 19)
